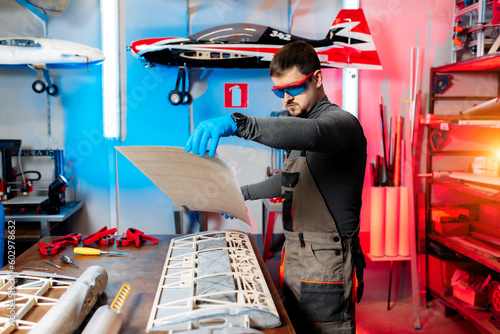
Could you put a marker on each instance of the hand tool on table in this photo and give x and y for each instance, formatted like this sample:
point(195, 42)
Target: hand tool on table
point(72, 238)
point(56, 245)
point(67, 259)
point(96, 237)
point(107, 240)
point(49, 250)
point(53, 264)
point(35, 268)
point(136, 236)
point(95, 251)
point(124, 241)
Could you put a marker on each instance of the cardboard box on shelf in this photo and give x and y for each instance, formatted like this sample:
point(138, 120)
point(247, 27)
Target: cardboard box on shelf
point(448, 213)
point(470, 296)
point(470, 287)
point(450, 220)
point(441, 271)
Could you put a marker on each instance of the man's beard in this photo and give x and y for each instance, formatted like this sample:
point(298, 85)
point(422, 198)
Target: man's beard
point(294, 109)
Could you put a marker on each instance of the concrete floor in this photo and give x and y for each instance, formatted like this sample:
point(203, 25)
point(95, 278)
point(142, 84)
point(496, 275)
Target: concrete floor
point(372, 315)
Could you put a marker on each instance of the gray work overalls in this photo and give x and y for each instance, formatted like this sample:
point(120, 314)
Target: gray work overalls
point(317, 268)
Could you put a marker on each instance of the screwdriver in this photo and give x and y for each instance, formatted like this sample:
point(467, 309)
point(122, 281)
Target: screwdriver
point(95, 251)
point(55, 265)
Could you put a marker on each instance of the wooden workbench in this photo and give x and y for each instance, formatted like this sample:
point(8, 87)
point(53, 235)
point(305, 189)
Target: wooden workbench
point(141, 270)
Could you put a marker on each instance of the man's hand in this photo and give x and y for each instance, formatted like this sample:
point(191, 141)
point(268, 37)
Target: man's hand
point(210, 129)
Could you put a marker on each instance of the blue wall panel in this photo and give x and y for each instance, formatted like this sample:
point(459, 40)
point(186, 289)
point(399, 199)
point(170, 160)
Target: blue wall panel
point(152, 120)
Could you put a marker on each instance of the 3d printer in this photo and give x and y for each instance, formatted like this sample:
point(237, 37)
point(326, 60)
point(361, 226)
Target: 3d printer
point(15, 187)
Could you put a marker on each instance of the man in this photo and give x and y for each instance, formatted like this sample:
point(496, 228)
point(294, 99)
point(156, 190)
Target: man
point(320, 186)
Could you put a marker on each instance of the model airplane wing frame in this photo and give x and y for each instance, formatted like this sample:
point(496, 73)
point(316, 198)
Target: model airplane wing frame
point(32, 291)
point(212, 279)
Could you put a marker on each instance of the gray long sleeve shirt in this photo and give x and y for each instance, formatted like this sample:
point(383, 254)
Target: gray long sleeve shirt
point(336, 156)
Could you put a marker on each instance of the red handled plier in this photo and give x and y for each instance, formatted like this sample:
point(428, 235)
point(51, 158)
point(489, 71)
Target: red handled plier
point(96, 237)
point(56, 244)
point(72, 238)
point(50, 249)
point(136, 236)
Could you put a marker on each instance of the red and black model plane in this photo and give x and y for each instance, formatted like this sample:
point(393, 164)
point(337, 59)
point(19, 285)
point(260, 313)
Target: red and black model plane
point(243, 45)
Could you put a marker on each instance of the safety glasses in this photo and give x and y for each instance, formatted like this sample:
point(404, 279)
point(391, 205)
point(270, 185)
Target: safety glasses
point(292, 89)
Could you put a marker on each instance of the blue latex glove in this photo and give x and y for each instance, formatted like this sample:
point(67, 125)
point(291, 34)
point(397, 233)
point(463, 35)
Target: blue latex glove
point(213, 129)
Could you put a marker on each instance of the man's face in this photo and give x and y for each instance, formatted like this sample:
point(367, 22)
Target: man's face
point(301, 104)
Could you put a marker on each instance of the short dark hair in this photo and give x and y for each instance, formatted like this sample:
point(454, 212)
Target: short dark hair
point(300, 54)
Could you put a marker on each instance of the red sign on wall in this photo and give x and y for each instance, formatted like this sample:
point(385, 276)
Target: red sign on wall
point(236, 95)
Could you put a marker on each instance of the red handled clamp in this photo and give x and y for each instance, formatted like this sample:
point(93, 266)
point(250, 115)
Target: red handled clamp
point(108, 240)
point(72, 238)
point(50, 249)
point(96, 237)
point(133, 235)
point(56, 244)
point(139, 236)
point(124, 240)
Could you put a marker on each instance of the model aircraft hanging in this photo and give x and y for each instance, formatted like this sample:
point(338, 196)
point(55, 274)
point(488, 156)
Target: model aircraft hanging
point(43, 54)
point(243, 45)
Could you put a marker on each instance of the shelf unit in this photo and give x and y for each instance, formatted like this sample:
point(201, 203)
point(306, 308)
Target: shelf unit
point(448, 149)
